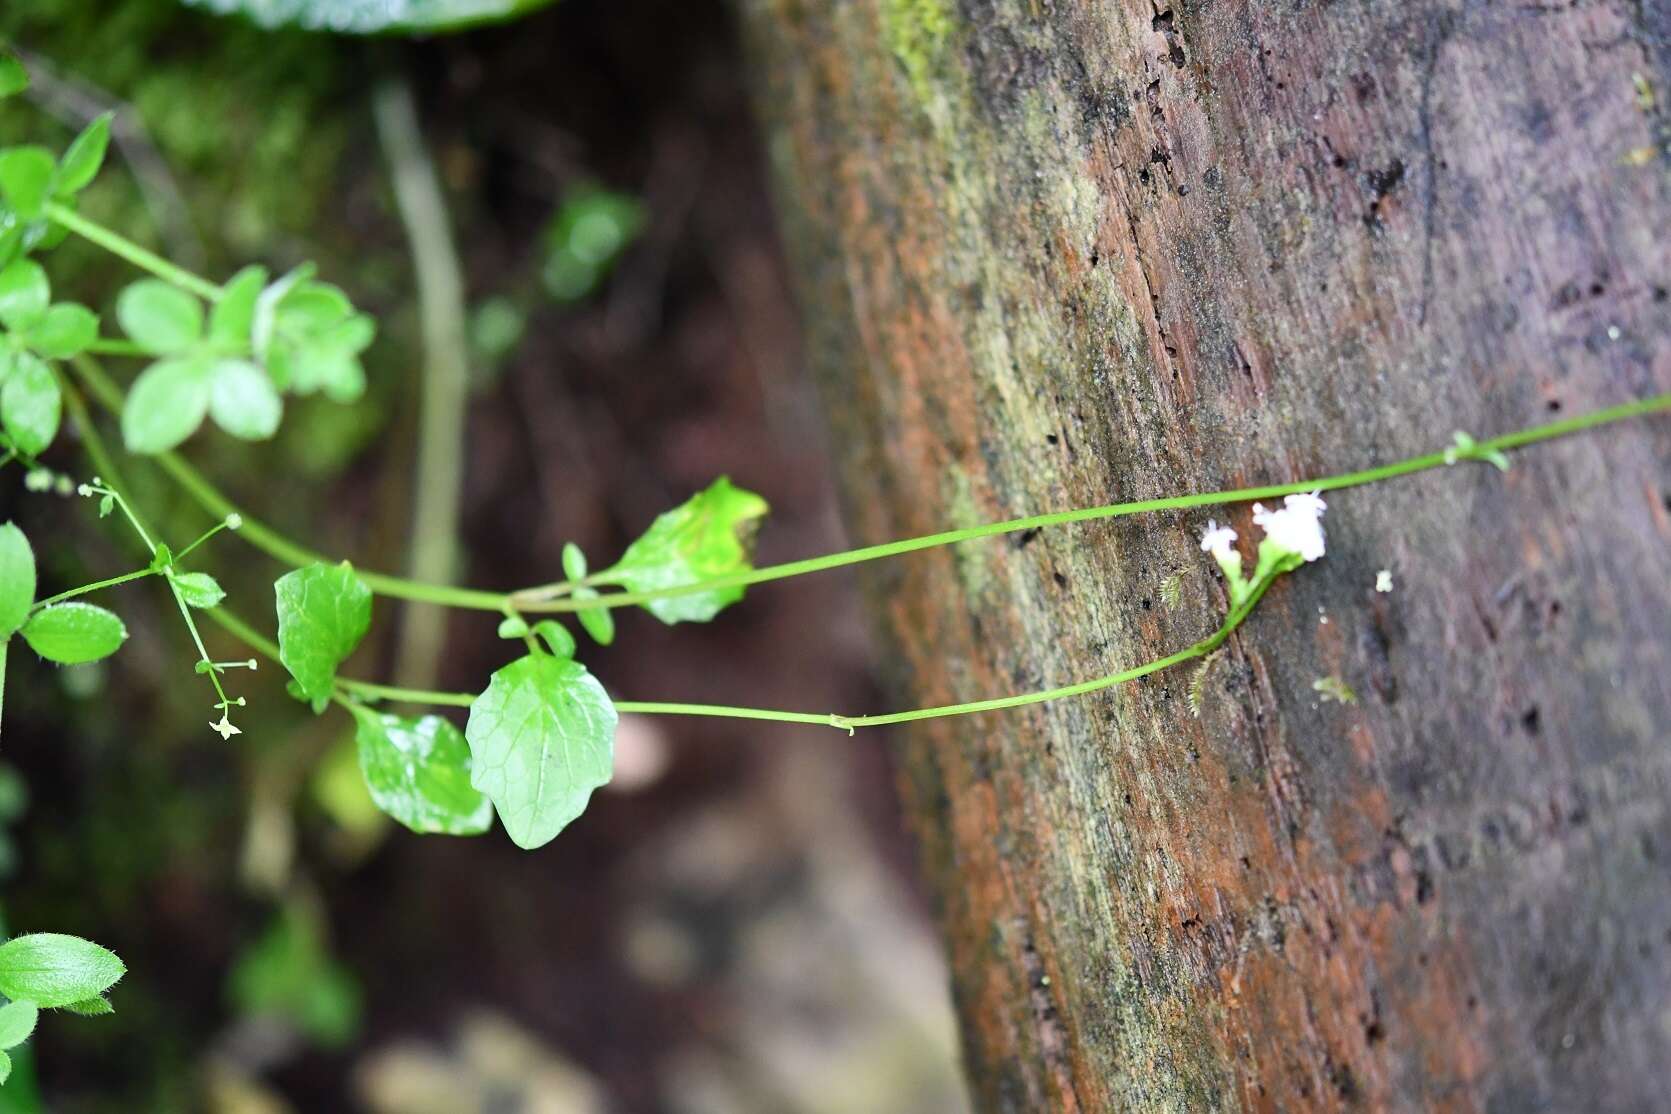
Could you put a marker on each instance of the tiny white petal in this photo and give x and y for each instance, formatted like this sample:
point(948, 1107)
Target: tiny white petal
point(1383, 580)
point(1217, 539)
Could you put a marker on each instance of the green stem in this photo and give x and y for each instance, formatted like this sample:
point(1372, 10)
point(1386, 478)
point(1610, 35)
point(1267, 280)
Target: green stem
point(120, 245)
point(96, 586)
point(530, 601)
point(109, 346)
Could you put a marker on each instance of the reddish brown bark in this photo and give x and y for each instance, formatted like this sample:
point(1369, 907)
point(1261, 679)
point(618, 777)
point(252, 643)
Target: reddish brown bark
point(1061, 254)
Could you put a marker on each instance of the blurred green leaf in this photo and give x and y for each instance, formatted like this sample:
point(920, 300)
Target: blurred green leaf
point(70, 634)
point(14, 79)
point(709, 535)
point(65, 330)
point(81, 162)
point(542, 738)
point(586, 237)
point(26, 180)
point(323, 612)
point(162, 319)
point(53, 970)
point(556, 637)
point(17, 579)
point(288, 974)
point(24, 294)
point(17, 1021)
point(31, 404)
point(310, 337)
point(418, 771)
point(232, 318)
point(243, 401)
point(166, 404)
point(199, 589)
point(599, 622)
point(362, 17)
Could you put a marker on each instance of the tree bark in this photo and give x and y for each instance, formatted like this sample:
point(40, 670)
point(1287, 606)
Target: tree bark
point(1059, 254)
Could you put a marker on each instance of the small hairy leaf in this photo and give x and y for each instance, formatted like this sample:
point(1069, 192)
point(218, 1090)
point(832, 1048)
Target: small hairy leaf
point(243, 401)
point(710, 535)
point(31, 404)
point(14, 79)
point(26, 180)
point(73, 633)
point(418, 771)
point(323, 612)
point(542, 738)
point(162, 319)
point(232, 319)
point(81, 162)
point(166, 404)
point(91, 1007)
point(17, 579)
point(199, 589)
point(17, 1021)
point(65, 330)
point(54, 970)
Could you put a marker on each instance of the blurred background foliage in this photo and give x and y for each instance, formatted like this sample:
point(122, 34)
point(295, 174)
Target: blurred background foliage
point(732, 926)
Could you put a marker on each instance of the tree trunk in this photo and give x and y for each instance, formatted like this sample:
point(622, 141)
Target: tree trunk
point(1060, 254)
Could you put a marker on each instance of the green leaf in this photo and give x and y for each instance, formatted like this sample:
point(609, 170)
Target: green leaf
point(542, 738)
point(24, 294)
point(363, 17)
point(556, 637)
point(232, 318)
point(199, 589)
point(91, 1007)
point(309, 337)
point(17, 579)
point(323, 612)
point(17, 1021)
point(5, 1067)
point(65, 330)
point(598, 621)
point(162, 319)
point(70, 634)
point(418, 771)
point(243, 401)
point(574, 562)
point(31, 404)
point(166, 404)
point(513, 626)
point(288, 974)
point(14, 79)
point(26, 180)
point(53, 970)
point(80, 164)
point(710, 535)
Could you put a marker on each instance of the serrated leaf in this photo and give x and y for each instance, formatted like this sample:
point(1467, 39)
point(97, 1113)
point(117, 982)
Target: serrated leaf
point(162, 319)
point(24, 294)
point(232, 318)
point(166, 404)
point(17, 1021)
point(243, 401)
point(542, 738)
point(91, 1007)
point(323, 612)
point(710, 535)
point(53, 970)
point(26, 180)
point(199, 589)
point(418, 771)
point(31, 404)
point(74, 633)
point(81, 162)
point(17, 579)
point(14, 79)
point(65, 330)
point(364, 17)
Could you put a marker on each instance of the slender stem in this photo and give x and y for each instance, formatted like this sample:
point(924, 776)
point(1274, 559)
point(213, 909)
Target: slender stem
point(96, 586)
point(406, 695)
point(111, 346)
point(531, 602)
point(140, 257)
point(658, 708)
point(245, 633)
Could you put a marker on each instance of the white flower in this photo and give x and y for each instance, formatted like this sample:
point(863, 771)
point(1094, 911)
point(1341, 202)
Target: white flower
point(1297, 527)
point(224, 728)
point(1383, 580)
point(1217, 539)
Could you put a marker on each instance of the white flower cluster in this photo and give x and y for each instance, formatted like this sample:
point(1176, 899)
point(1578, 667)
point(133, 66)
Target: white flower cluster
point(1297, 527)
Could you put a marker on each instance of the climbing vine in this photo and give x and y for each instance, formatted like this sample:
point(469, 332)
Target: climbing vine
point(539, 737)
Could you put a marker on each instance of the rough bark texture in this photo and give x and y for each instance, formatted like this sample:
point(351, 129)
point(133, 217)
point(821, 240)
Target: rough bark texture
point(1060, 254)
